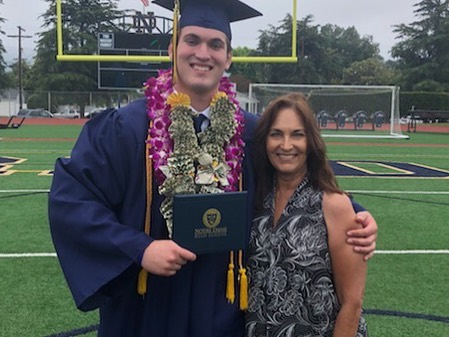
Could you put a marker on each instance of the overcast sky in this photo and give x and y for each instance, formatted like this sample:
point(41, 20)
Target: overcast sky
point(369, 17)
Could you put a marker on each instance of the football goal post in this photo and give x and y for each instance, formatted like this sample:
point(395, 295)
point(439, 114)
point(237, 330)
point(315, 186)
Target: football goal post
point(351, 111)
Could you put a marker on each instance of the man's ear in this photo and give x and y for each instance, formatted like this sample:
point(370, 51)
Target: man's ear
point(228, 61)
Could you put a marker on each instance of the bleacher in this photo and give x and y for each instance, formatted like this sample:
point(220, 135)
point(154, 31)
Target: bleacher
point(426, 116)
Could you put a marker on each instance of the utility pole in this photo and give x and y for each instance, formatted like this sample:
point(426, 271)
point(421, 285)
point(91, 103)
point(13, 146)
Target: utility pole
point(20, 37)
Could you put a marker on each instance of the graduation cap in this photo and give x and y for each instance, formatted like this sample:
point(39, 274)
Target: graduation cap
point(213, 14)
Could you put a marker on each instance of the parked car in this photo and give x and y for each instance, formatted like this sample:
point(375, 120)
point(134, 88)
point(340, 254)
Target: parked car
point(35, 113)
point(408, 118)
point(94, 112)
point(68, 113)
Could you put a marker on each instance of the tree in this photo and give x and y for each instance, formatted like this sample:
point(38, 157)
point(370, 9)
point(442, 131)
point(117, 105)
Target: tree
point(4, 79)
point(242, 74)
point(423, 52)
point(82, 20)
point(372, 71)
point(323, 52)
point(13, 74)
point(341, 48)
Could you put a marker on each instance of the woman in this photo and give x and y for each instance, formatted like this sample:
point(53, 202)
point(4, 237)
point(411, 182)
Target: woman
point(304, 279)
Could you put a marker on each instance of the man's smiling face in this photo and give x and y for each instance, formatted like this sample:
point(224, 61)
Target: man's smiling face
point(202, 58)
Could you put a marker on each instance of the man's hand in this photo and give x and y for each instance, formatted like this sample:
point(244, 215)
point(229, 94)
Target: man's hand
point(165, 257)
point(364, 239)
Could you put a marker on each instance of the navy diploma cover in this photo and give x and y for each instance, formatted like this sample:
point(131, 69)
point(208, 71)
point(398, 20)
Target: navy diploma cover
point(210, 223)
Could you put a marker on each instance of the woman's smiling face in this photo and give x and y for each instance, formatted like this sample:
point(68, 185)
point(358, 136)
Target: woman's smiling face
point(286, 145)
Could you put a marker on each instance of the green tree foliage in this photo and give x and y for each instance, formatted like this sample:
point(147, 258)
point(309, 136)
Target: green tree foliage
point(423, 52)
point(340, 48)
point(4, 79)
point(12, 75)
point(323, 53)
point(243, 73)
point(372, 71)
point(82, 20)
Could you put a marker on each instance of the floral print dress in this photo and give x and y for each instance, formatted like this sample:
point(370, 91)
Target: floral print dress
point(291, 286)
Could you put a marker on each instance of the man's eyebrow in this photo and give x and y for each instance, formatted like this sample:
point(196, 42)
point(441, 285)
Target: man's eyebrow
point(218, 39)
point(214, 39)
point(191, 35)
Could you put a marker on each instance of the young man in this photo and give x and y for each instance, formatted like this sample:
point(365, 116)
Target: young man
point(102, 197)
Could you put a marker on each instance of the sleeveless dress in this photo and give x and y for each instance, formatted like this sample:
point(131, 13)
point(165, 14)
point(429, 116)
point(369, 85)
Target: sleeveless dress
point(291, 292)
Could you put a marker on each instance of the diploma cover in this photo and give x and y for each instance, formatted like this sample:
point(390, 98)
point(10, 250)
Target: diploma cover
point(211, 223)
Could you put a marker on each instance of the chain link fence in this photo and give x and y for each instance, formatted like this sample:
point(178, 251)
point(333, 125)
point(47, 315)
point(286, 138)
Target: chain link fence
point(57, 101)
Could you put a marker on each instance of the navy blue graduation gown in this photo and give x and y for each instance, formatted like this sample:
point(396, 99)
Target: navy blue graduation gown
point(96, 213)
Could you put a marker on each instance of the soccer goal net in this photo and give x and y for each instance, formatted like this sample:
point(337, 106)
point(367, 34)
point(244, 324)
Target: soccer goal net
point(341, 110)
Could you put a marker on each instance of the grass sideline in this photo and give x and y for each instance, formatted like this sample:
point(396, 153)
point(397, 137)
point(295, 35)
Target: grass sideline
point(405, 294)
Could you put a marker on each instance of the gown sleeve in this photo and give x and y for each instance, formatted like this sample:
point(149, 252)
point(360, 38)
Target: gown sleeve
point(357, 207)
point(97, 206)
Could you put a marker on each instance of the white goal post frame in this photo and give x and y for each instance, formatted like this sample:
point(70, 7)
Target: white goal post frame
point(287, 88)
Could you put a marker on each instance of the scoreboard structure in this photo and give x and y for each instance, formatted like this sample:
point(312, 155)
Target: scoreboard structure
point(141, 38)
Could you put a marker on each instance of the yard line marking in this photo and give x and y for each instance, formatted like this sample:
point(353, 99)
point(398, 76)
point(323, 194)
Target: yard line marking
point(399, 192)
point(397, 252)
point(385, 252)
point(28, 255)
point(24, 191)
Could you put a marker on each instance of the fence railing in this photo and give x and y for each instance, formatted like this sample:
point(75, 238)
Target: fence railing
point(56, 101)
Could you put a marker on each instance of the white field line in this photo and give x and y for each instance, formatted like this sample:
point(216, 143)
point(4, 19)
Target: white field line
point(384, 252)
point(400, 192)
point(350, 191)
point(12, 255)
point(24, 191)
point(414, 252)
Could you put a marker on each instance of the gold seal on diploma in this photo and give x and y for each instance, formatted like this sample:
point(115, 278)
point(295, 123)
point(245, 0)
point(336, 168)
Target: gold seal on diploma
point(211, 218)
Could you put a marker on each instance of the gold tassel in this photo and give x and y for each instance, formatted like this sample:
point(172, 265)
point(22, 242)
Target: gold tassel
point(174, 40)
point(230, 287)
point(243, 289)
point(142, 282)
point(243, 282)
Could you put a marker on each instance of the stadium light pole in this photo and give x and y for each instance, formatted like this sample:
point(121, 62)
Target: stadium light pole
point(20, 37)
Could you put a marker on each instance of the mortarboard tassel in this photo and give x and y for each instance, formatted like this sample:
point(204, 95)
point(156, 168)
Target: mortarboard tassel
point(243, 282)
point(230, 287)
point(142, 280)
point(175, 40)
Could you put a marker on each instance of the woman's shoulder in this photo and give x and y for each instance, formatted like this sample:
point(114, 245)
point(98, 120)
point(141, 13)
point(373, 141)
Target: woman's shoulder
point(337, 205)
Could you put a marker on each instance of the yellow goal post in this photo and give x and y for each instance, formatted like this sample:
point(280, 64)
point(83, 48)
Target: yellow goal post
point(143, 58)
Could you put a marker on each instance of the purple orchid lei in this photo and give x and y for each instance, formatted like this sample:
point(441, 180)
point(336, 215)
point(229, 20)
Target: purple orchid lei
point(157, 91)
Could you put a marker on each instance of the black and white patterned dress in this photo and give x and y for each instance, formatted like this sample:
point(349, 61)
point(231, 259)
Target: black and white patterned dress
point(291, 286)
